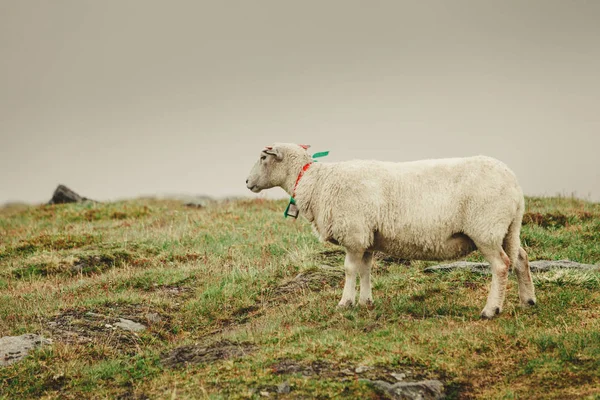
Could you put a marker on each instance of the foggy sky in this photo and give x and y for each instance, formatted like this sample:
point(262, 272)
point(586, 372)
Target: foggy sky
point(118, 99)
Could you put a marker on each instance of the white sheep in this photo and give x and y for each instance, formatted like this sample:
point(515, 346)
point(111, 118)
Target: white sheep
point(428, 210)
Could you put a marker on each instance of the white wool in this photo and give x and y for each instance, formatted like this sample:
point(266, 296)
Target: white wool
point(429, 210)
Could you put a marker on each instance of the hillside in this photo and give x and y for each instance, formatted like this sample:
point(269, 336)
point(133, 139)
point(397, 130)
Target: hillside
point(235, 304)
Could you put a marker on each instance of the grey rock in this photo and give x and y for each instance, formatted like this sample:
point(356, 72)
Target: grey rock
point(129, 325)
point(63, 194)
point(199, 201)
point(93, 314)
point(482, 268)
point(398, 376)
point(283, 388)
point(15, 348)
point(153, 318)
point(535, 266)
point(546, 265)
point(422, 390)
point(362, 368)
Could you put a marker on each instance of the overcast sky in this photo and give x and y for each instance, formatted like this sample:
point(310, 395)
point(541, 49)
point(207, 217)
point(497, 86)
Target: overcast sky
point(118, 98)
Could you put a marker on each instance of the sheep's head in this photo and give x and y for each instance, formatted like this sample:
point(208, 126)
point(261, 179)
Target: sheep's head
point(275, 166)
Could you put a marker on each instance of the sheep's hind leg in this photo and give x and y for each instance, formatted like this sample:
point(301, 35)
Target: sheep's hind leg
point(526, 290)
point(500, 264)
point(352, 265)
point(365, 297)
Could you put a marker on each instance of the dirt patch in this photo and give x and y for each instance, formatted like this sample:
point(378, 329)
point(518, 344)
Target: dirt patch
point(183, 288)
point(131, 395)
point(101, 325)
point(332, 257)
point(84, 264)
point(384, 373)
point(385, 259)
point(287, 366)
point(347, 371)
point(196, 354)
point(314, 279)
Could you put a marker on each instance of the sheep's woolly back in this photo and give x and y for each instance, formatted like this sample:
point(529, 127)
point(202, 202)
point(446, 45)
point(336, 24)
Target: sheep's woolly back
point(410, 209)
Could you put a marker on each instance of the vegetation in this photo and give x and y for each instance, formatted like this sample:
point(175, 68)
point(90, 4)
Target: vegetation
point(236, 305)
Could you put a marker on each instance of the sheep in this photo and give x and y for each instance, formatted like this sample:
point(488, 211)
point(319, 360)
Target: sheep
point(437, 209)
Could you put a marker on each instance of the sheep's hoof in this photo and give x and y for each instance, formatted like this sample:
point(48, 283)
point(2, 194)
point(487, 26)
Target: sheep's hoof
point(345, 304)
point(528, 303)
point(367, 303)
point(489, 314)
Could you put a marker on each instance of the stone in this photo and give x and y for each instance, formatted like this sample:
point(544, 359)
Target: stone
point(129, 325)
point(362, 368)
point(546, 265)
point(398, 376)
point(482, 268)
point(535, 266)
point(16, 348)
point(153, 318)
point(283, 388)
point(421, 390)
point(63, 194)
point(93, 314)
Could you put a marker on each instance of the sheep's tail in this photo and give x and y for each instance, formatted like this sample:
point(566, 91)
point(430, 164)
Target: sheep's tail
point(512, 241)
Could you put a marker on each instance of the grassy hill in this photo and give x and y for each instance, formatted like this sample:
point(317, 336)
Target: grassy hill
point(237, 305)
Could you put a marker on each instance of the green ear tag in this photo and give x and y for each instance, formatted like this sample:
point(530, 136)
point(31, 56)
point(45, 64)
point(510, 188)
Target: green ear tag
point(320, 154)
point(292, 209)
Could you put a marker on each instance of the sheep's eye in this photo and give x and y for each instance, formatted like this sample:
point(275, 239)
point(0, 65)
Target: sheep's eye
point(263, 158)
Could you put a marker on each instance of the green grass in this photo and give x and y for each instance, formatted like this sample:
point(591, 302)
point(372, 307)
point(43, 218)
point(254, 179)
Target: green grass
point(222, 278)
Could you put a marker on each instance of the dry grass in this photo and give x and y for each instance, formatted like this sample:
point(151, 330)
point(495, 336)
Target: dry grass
point(243, 290)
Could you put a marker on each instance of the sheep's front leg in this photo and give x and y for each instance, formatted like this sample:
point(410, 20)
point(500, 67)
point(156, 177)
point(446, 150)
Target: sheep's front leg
point(352, 265)
point(366, 297)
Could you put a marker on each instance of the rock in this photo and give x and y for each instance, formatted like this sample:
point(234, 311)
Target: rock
point(129, 325)
point(63, 194)
point(482, 268)
point(535, 266)
point(422, 390)
point(362, 368)
point(153, 318)
point(93, 314)
point(265, 394)
point(283, 388)
point(199, 202)
point(544, 265)
point(15, 348)
point(398, 376)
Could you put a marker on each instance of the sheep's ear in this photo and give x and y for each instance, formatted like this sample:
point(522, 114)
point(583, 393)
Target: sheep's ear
point(274, 151)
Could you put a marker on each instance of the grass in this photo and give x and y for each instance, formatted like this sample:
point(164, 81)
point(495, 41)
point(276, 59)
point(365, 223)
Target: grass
point(227, 317)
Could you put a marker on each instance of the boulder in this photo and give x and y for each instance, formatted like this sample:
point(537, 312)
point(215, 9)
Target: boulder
point(16, 348)
point(535, 266)
point(63, 194)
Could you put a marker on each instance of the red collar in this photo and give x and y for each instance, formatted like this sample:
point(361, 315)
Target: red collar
point(300, 176)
